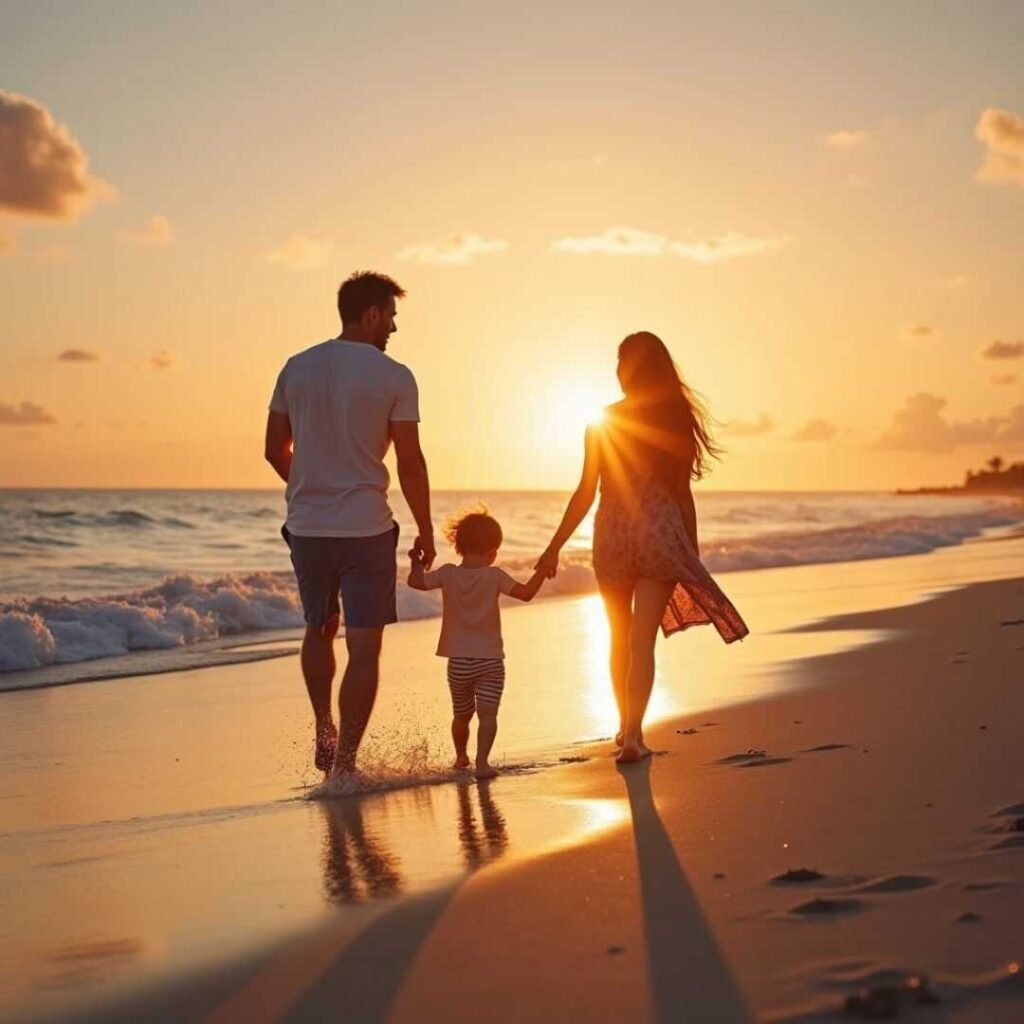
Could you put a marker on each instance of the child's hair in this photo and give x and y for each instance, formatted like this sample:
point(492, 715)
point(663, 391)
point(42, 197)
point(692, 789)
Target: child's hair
point(474, 531)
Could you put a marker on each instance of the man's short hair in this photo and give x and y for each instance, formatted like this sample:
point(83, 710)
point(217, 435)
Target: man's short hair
point(364, 290)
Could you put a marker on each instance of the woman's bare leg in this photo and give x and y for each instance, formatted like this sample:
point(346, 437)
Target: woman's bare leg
point(618, 606)
point(650, 598)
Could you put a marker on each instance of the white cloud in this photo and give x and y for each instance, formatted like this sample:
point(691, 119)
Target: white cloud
point(1002, 132)
point(615, 242)
point(846, 138)
point(458, 248)
point(157, 230)
point(748, 428)
point(620, 241)
point(27, 414)
point(300, 253)
point(815, 430)
point(1003, 350)
point(920, 426)
point(44, 172)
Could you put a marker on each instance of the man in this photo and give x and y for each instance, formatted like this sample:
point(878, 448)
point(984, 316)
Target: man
point(335, 411)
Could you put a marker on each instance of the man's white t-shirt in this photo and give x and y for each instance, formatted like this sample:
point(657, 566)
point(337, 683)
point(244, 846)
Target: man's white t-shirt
point(340, 397)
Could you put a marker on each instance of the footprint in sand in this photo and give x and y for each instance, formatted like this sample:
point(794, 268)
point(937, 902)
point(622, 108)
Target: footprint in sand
point(828, 907)
point(752, 759)
point(798, 876)
point(898, 883)
point(995, 885)
point(827, 746)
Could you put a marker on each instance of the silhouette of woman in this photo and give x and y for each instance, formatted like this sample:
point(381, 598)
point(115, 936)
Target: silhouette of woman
point(644, 454)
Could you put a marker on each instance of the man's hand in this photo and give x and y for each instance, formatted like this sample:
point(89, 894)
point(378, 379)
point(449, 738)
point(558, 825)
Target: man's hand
point(548, 563)
point(423, 550)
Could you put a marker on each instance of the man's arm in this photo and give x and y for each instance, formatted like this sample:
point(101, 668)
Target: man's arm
point(277, 448)
point(415, 484)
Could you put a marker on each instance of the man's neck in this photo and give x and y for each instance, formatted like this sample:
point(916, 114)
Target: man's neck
point(354, 334)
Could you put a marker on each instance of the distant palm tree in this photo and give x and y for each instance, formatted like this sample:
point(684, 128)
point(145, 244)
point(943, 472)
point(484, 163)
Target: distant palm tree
point(995, 464)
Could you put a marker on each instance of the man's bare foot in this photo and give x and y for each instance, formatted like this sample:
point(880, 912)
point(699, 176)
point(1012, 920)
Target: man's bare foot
point(326, 745)
point(461, 763)
point(485, 771)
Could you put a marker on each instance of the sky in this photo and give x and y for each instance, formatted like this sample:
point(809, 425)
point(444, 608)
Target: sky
point(818, 206)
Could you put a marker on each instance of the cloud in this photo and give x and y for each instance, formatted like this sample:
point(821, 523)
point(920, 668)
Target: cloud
point(163, 360)
point(920, 426)
point(815, 430)
point(1003, 350)
point(78, 355)
point(28, 414)
point(921, 331)
point(44, 172)
point(615, 242)
point(1014, 429)
point(156, 231)
point(300, 253)
point(1002, 132)
point(620, 241)
point(458, 248)
point(1003, 378)
point(846, 139)
point(747, 428)
point(725, 247)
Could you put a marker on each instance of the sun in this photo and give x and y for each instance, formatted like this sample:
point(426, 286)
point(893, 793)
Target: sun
point(579, 406)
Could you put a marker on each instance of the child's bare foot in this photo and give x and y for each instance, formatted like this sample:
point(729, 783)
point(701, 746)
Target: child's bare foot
point(485, 771)
point(461, 762)
point(326, 745)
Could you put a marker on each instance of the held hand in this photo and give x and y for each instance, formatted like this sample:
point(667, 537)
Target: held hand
point(548, 563)
point(423, 551)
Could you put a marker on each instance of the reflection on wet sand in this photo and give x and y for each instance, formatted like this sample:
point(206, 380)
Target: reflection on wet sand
point(479, 849)
point(357, 864)
point(358, 861)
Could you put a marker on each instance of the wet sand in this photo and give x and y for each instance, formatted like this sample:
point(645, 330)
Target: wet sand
point(874, 753)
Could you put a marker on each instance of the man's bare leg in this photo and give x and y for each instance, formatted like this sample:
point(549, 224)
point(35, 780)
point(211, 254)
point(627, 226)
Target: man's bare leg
point(318, 671)
point(357, 693)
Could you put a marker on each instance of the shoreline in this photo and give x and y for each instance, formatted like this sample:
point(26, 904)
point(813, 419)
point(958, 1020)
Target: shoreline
point(623, 896)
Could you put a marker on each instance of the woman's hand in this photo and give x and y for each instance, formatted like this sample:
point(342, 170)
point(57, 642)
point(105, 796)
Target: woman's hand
point(548, 563)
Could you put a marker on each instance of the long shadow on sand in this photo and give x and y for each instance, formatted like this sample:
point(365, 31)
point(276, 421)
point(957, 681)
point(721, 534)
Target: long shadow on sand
point(688, 977)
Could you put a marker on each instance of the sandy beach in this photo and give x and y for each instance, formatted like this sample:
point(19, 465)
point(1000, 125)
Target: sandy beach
point(165, 864)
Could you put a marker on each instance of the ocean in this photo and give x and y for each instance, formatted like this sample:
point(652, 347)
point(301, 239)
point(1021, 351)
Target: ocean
point(95, 584)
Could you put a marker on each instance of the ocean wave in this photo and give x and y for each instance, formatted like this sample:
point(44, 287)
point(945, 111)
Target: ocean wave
point(185, 609)
point(182, 610)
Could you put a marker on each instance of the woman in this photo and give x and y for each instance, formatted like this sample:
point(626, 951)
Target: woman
point(646, 555)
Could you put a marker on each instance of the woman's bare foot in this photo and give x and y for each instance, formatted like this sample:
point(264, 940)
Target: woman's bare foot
point(326, 745)
point(632, 752)
point(461, 762)
point(620, 736)
point(485, 771)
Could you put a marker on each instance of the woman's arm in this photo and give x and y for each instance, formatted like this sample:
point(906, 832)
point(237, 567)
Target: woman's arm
point(579, 504)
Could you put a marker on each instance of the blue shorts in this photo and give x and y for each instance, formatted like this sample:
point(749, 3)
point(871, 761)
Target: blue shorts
point(363, 569)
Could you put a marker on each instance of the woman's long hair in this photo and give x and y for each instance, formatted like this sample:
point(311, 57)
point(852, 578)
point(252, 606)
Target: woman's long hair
point(665, 407)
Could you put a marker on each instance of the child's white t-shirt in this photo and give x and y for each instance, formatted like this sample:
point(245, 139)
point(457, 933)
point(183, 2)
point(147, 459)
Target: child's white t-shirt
point(470, 621)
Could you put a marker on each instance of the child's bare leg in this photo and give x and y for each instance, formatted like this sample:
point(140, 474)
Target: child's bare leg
point(487, 729)
point(460, 737)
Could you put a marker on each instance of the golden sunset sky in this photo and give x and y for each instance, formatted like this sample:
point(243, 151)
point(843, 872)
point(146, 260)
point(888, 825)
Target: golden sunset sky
point(818, 206)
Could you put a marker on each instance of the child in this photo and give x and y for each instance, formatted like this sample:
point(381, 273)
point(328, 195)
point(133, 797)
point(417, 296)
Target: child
point(471, 629)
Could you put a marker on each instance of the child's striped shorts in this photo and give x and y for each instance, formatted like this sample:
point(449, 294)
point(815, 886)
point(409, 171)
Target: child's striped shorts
point(475, 681)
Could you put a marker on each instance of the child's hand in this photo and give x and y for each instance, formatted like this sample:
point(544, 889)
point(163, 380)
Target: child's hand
point(416, 558)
